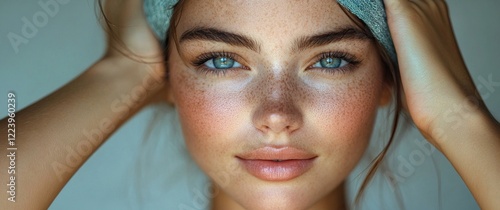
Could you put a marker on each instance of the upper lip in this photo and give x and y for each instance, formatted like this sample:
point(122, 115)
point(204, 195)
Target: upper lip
point(274, 153)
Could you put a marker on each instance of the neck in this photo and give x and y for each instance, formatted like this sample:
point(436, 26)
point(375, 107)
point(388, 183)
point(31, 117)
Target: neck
point(335, 200)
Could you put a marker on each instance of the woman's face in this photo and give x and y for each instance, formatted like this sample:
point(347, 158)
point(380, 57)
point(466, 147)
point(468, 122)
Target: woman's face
point(258, 81)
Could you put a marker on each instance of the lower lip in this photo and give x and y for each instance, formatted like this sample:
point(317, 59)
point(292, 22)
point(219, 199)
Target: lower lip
point(277, 171)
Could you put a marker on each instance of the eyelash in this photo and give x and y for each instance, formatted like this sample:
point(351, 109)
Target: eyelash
point(203, 58)
point(351, 60)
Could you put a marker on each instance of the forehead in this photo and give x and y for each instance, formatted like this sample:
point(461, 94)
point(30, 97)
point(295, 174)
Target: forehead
point(264, 18)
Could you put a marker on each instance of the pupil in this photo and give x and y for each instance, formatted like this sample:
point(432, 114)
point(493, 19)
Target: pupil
point(223, 63)
point(223, 60)
point(330, 62)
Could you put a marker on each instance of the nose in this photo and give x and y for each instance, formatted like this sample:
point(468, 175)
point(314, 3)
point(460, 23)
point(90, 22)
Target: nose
point(277, 111)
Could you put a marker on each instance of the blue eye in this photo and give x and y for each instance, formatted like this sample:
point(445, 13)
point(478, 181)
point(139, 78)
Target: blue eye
point(330, 63)
point(222, 62)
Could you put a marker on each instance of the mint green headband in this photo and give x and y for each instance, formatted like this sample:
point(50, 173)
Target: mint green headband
point(371, 12)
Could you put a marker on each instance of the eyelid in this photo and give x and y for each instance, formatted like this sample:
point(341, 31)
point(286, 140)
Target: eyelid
point(351, 59)
point(201, 59)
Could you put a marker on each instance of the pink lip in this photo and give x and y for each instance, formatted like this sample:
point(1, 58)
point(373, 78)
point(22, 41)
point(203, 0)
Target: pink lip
point(277, 164)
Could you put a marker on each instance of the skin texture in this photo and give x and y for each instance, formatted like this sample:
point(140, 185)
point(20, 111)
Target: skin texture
point(435, 78)
point(275, 99)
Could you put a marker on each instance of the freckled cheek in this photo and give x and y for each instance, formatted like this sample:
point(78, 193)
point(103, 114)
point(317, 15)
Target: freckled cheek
point(347, 115)
point(210, 118)
point(343, 121)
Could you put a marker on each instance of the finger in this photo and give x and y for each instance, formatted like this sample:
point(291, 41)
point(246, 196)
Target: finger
point(436, 10)
point(399, 13)
point(435, 13)
point(443, 8)
point(396, 6)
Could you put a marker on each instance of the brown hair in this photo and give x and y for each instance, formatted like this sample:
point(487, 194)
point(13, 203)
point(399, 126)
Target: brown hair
point(392, 79)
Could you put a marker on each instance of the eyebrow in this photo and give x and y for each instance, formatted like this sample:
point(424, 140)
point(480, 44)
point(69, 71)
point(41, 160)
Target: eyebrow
point(329, 37)
point(213, 34)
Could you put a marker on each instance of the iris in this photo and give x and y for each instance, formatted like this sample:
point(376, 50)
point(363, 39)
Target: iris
point(330, 62)
point(222, 63)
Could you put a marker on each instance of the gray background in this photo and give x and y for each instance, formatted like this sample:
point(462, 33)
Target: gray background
point(71, 40)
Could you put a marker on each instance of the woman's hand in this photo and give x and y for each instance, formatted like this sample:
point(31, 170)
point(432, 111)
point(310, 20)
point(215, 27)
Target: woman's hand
point(128, 31)
point(440, 96)
point(58, 133)
point(439, 92)
point(130, 41)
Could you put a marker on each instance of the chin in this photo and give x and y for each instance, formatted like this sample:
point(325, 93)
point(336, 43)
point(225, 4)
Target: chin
point(298, 194)
point(276, 201)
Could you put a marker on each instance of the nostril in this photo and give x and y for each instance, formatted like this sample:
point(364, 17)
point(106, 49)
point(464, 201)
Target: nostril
point(278, 123)
point(277, 117)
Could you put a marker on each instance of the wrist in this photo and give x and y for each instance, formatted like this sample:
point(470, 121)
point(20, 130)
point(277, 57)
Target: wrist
point(472, 148)
point(133, 79)
point(136, 65)
point(473, 127)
